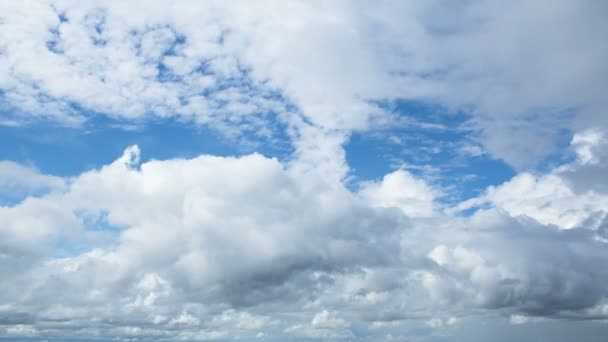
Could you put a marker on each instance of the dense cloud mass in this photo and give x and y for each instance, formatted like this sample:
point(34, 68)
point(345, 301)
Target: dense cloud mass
point(300, 247)
point(216, 247)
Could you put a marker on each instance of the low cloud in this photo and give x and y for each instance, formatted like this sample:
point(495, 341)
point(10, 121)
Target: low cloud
point(218, 245)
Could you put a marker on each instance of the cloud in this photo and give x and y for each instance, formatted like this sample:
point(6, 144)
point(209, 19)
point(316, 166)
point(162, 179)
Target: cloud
point(328, 320)
point(212, 247)
point(569, 196)
point(215, 247)
point(586, 143)
point(400, 189)
point(235, 231)
point(520, 319)
point(239, 68)
point(18, 181)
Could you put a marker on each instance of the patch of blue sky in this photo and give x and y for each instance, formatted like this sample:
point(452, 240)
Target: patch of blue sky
point(9, 201)
point(53, 44)
point(68, 151)
point(432, 143)
point(11, 197)
point(60, 150)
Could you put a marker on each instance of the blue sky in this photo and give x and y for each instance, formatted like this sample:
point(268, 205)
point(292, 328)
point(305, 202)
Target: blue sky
point(301, 171)
point(427, 144)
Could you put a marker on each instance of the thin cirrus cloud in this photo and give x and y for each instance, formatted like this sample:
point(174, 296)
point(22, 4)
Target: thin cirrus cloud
point(301, 246)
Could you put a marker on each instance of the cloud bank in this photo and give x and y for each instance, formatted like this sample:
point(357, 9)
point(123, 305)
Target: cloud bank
point(221, 247)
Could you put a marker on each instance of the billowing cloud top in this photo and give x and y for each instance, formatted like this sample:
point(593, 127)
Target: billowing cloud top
point(409, 171)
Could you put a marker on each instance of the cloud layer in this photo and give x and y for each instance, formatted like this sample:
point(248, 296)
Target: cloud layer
point(221, 247)
point(522, 70)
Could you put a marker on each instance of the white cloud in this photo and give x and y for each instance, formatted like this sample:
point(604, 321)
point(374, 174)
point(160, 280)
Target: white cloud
point(30, 226)
point(521, 319)
point(547, 199)
point(435, 323)
point(585, 143)
point(400, 189)
point(214, 247)
point(18, 181)
point(328, 320)
point(569, 196)
point(229, 66)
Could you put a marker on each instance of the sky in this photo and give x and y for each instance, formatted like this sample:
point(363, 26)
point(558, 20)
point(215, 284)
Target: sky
point(303, 170)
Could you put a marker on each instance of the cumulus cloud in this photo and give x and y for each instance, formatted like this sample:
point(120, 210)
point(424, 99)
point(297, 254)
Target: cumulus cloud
point(18, 181)
point(328, 320)
point(230, 231)
point(400, 189)
point(219, 247)
point(569, 196)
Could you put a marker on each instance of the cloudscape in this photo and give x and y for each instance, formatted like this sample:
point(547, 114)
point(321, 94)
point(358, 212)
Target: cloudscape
point(303, 170)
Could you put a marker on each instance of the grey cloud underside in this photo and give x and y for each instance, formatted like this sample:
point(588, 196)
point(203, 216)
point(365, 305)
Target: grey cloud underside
point(213, 247)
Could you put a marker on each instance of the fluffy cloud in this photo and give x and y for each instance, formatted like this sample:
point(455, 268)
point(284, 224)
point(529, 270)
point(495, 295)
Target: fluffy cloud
point(401, 190)
point(222, 247)
point(233, 232)
point(327, 320)
point(569, 196)
point(18, 181)
point(516, 65)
